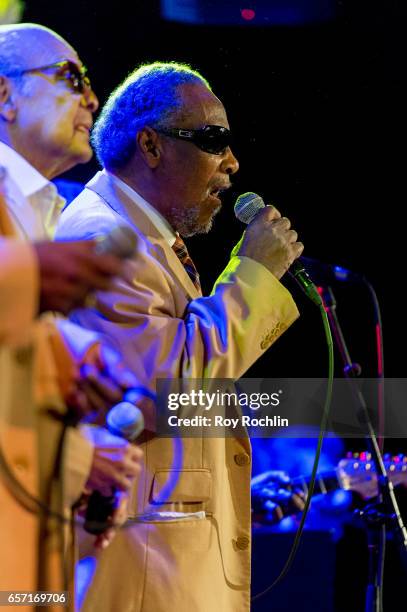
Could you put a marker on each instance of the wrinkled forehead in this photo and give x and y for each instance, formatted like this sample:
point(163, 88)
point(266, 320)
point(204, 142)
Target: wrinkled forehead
point(200, 107)
point(42, 48)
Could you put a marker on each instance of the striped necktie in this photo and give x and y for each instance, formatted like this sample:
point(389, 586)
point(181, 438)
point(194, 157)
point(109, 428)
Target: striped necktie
point(182, 253)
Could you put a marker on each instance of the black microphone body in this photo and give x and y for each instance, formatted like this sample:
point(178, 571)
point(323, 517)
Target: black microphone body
point(247, 206)
point(125, 421)
point(300, 274)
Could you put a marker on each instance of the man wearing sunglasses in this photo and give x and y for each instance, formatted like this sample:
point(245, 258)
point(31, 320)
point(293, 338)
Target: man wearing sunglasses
point(54, 377)
point(164, 141)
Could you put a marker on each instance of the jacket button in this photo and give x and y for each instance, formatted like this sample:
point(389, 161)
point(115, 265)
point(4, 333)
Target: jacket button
point(242, 459)
point(21, 464)
point(23, 355)
point(242, 542)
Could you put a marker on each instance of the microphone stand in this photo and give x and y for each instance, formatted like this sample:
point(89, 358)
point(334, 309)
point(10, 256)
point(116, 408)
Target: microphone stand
point(385, 511)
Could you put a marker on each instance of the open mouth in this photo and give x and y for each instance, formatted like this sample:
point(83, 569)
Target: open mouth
point(216, 192)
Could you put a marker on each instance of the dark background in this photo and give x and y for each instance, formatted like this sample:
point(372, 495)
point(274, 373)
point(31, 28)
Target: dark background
point(318, 113)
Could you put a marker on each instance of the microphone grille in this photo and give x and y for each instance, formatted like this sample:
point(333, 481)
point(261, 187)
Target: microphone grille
point(120, 241)
point(247, 206)
point(125, 420)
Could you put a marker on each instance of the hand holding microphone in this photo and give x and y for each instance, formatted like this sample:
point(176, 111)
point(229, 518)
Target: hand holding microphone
point(116, 464)
point(68, 271)
point(271, 241)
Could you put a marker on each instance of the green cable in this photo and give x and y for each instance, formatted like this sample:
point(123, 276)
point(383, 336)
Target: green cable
point(322, 431)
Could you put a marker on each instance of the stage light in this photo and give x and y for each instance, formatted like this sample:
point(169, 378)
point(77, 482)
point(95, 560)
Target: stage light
point(258, 13)
point(248, 14)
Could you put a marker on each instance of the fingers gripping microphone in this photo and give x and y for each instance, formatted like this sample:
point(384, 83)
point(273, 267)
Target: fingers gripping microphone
point(125, 421)
point(120, 241)
point(247, 206)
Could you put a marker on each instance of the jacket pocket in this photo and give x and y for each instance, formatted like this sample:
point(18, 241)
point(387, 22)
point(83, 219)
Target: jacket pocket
point(189, 486)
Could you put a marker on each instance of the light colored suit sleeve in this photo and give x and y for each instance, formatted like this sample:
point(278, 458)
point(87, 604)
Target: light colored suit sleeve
point(18, 290)
point(163, 333)
point(77, 461)
point(57, 371)
point(19, 285)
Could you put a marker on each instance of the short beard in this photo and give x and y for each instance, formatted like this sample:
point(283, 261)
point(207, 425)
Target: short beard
point(186, 221)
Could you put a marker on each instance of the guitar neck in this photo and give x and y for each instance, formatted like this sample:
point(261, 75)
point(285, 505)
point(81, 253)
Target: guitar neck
point(325, 481)
point(356, 474)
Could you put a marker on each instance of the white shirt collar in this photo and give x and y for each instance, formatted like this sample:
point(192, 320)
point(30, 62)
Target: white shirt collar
point(34, 200)
point(22, 172)
point(156, 218)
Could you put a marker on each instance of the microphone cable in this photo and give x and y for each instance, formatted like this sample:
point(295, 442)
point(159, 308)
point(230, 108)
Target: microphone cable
point(22, 496)
point(246, 208)
point(322, 432)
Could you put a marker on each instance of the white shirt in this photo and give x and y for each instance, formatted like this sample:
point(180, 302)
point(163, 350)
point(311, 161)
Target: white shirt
point(156, 218)
point(35, 206)
point(33, 201)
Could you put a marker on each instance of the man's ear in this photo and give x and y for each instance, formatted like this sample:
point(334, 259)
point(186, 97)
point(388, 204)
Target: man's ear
point(149, 146)
point(8, 110)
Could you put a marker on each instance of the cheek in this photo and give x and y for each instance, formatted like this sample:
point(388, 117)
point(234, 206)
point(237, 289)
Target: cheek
point(190, 176)
point(202, 168)
point(62, 111)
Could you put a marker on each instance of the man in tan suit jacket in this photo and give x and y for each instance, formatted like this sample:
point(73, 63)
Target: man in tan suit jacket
point(44, 129)
point(163, 140)
point(31, 383)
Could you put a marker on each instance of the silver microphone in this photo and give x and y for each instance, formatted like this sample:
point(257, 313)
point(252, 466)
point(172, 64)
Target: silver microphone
point(247, 206)
point(125, 421)
point(120, 241)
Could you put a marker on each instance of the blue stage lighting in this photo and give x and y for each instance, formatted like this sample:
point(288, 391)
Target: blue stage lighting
point(256, 12)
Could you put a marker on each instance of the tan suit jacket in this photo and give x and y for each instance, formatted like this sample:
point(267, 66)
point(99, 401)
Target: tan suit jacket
point(18, 527)
point(34, 547)
point(166, 330)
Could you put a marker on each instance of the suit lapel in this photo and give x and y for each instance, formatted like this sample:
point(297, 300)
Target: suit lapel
point(129, 210)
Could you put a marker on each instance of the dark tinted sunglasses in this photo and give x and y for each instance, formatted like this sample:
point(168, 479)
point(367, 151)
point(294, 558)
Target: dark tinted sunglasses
point(212, 139)
point(66, 71)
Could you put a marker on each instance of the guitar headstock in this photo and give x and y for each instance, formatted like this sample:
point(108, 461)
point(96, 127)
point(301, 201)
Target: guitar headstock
point(357, 473)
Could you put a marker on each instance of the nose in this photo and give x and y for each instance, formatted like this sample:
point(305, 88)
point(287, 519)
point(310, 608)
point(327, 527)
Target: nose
point(229, 164)
point(89, 100)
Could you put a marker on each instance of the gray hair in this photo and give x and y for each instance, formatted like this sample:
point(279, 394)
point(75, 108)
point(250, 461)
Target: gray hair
point(148, 97)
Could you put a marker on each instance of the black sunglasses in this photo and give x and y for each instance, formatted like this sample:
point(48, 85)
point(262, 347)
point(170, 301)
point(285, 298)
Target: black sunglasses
point(213, 139)
point(65, 70)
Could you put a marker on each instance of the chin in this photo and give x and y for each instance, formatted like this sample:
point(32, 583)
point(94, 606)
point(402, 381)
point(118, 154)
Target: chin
point(197, 228)
point(205, 228)
point(84, 155)
point(188, 221)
